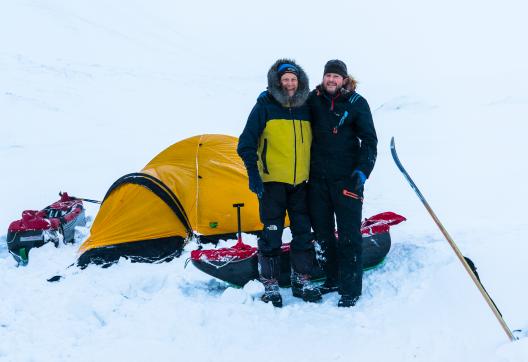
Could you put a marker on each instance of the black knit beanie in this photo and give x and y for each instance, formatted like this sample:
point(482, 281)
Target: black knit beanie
point(336, 66)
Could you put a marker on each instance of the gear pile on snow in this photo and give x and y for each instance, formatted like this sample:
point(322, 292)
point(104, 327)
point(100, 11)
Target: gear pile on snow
point(54, 223)
point(238, 264)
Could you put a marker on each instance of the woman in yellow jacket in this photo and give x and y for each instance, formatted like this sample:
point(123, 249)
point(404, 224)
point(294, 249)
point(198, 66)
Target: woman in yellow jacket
point(275, 147)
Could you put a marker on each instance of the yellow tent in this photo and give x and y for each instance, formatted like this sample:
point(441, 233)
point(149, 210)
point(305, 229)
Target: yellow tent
point(189, 188)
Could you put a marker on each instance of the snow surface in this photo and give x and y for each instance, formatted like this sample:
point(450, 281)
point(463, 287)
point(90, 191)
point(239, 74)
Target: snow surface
point(92, 90)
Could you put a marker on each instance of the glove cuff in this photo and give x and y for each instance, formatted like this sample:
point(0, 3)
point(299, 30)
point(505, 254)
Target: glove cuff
point(359, 172)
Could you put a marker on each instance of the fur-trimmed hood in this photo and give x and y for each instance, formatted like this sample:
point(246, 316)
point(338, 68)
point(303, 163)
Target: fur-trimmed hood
point(275, 89)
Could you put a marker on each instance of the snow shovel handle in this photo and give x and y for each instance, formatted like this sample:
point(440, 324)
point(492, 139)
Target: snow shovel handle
point(239, 222)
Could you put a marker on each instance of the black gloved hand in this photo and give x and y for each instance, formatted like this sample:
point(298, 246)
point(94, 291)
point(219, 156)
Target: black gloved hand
point(255, 182)
point(358, 179)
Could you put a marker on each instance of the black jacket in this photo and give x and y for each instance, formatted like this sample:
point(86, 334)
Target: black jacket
point(344, 138)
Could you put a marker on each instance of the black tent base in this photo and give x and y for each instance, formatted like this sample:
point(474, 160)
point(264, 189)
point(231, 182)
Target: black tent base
point(239, 272)
point(144, 251)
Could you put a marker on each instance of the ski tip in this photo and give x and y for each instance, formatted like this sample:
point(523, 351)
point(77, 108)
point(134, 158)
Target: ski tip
point(519, 334)
point(392, 144)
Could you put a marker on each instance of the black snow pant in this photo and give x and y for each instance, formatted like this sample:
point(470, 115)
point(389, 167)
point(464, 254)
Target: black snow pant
point(278, 198)
point(342, 258)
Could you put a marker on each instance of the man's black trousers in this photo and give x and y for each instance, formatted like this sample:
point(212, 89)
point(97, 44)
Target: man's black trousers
point(278, 198)
point(342, 259)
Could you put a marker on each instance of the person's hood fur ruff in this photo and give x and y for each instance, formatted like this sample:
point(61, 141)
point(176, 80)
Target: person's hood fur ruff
point(275, 89)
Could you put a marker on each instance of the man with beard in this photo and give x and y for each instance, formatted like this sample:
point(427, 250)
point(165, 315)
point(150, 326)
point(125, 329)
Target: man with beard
point(275, 148)
point(343, 156)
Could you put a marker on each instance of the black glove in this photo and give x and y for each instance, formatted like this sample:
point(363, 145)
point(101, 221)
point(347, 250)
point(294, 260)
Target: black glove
point(358, 179)
point(255, 182)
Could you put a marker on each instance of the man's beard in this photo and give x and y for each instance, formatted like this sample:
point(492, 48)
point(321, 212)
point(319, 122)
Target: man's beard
point(336, 89)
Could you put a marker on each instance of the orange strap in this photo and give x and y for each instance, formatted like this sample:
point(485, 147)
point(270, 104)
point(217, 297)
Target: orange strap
point(352, 195)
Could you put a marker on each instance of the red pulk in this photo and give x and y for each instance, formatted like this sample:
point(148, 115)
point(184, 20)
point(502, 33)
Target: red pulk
point(54, 223)
point(238, 264)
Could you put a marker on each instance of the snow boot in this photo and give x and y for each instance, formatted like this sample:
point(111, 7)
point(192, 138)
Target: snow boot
point(269, 270)
point(347, 301)
point(271, 292)
point(303, 287)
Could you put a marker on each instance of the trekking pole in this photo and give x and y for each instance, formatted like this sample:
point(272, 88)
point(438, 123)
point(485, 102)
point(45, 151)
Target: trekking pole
point(452, 243)
point(83, 199)
point(238, 206)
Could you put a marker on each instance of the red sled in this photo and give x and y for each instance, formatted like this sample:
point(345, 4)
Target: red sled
point(238, 264)
point(54, 223)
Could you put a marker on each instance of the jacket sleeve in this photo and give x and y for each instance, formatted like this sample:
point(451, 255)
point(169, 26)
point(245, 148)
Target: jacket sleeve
point(367, 134)
point(249, 139)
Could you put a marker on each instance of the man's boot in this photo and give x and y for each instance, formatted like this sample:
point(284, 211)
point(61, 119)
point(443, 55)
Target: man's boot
point(269, 269)
point(347, 301)
point(303, 287)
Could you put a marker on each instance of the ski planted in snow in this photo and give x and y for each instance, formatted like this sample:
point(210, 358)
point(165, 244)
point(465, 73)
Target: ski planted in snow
point(462, 259)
